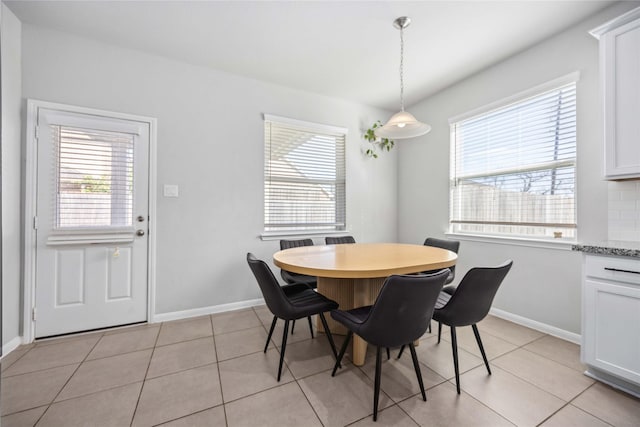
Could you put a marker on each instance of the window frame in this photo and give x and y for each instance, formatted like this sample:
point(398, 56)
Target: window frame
point(528, 240)
point(306, 127)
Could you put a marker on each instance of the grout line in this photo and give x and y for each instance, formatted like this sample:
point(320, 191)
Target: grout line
point(584, 410)
point(553, 413)
point(19, 357)
point(27, 410)
point(547, 357)
point(68, 379)
point(481, 403)
point(144, 379)
point(215, 350)
point(239, 330)
point(98, 391)
point(121, 354)
point(276, 385)
point(41, 370)
point(192, 413)
point(308, 401)
point(539, 387)
point(180, 342)
point(51, 367)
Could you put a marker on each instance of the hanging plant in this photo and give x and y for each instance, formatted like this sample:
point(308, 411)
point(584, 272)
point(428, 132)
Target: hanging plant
point(382, 144)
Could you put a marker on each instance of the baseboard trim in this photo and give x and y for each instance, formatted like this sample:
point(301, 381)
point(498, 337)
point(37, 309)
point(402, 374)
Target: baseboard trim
point(10, 346)
point(203, 311)
point(538, 326)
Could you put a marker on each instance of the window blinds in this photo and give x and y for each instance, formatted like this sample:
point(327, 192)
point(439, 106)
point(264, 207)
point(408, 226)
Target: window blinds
point(94, 180)
point(513, 168)
point(304, 178)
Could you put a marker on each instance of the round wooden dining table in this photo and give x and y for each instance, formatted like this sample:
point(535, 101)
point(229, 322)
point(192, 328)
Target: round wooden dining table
point(353, 274)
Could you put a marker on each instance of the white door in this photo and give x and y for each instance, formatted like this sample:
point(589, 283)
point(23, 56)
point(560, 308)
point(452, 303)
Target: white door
point(91, 222)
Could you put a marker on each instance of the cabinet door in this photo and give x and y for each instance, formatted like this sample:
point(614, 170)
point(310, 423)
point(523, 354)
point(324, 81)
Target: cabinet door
point(620, 53)
point(611, 332)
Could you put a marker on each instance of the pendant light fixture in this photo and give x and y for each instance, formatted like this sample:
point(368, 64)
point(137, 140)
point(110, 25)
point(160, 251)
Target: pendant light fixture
point(403, 124)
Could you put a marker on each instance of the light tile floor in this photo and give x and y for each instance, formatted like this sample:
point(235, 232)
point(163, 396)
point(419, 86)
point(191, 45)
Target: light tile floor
point(211, 371)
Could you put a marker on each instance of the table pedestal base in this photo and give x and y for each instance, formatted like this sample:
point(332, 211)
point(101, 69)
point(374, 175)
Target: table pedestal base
point(350, 293)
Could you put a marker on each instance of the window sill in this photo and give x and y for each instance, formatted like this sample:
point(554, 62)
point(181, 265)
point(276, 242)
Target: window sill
point(277, 235)
point(563, 245)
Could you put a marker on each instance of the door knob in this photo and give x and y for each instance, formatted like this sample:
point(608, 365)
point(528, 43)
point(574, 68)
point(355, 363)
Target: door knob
point(140, 232)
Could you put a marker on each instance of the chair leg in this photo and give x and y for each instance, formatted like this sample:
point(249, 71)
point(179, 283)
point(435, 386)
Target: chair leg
point(310, 327)
point(439, 331)
point(273, 326)
point(416, 366)
point(484, 356)
point(293, 326)
point(342, 351)
point(327, 331)
point(401, 350)
point(284, 346)
point(376, 390)
point(388, 354)
point(429, 327)
point(454, 346)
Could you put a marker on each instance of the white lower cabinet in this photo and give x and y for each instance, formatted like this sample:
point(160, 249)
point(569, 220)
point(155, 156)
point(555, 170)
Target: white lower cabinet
point(611, 320)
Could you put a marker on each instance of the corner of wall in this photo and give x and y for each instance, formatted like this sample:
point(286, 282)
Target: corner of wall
point(11, 51)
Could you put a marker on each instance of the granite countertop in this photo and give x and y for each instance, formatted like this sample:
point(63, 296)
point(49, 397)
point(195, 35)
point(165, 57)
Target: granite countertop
point(612, 248)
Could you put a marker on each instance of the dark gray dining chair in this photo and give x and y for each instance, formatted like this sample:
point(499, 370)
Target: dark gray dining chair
point(339, 240)
point(469, 304)
point(450, 245)
point(291, 277)
point(399, 316)
point(289, 303)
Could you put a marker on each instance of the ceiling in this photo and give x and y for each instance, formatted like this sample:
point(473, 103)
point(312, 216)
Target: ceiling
point(344, 49)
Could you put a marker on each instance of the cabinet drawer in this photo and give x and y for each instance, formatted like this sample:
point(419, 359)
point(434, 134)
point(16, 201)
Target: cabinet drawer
point(610, 268)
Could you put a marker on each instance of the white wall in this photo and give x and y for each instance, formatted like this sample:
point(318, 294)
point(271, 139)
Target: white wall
point(544, 284)
point(210, 143)
point(11, 178)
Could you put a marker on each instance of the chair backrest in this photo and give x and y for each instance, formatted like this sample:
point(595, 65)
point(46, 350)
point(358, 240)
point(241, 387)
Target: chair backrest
point(472, 300)
point(273, 294)
point(403, 309)
point(287, 244)
point(288, 276)
point(450, 245)
point(339, 240)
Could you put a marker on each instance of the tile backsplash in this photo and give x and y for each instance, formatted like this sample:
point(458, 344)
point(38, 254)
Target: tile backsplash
point(624, 210)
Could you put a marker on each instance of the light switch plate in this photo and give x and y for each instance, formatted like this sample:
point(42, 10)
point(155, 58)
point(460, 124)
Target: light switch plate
point(170, 190)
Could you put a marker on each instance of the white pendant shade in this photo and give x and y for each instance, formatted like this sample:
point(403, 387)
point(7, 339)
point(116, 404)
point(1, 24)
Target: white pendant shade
point(402, 125)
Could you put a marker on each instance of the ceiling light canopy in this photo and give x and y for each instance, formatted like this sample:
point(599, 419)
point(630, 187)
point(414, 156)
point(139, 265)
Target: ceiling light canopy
point(403, 124)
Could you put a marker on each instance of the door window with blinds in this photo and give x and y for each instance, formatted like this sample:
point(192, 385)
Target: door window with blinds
point(94, 182)
point(304, 176)
point(513, 170)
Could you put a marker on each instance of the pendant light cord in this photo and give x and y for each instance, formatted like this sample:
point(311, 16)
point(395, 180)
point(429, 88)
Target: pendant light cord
point(401, 69)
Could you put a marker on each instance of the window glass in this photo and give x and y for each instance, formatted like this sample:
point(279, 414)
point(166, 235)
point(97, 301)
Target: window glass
point(304, 177)
point(513, 168)
point(94, 182)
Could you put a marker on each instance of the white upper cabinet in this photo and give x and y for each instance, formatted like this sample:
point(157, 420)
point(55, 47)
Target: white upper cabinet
point(620, 73)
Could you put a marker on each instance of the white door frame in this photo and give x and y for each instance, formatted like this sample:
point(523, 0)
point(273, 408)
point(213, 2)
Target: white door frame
point(28, 333)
